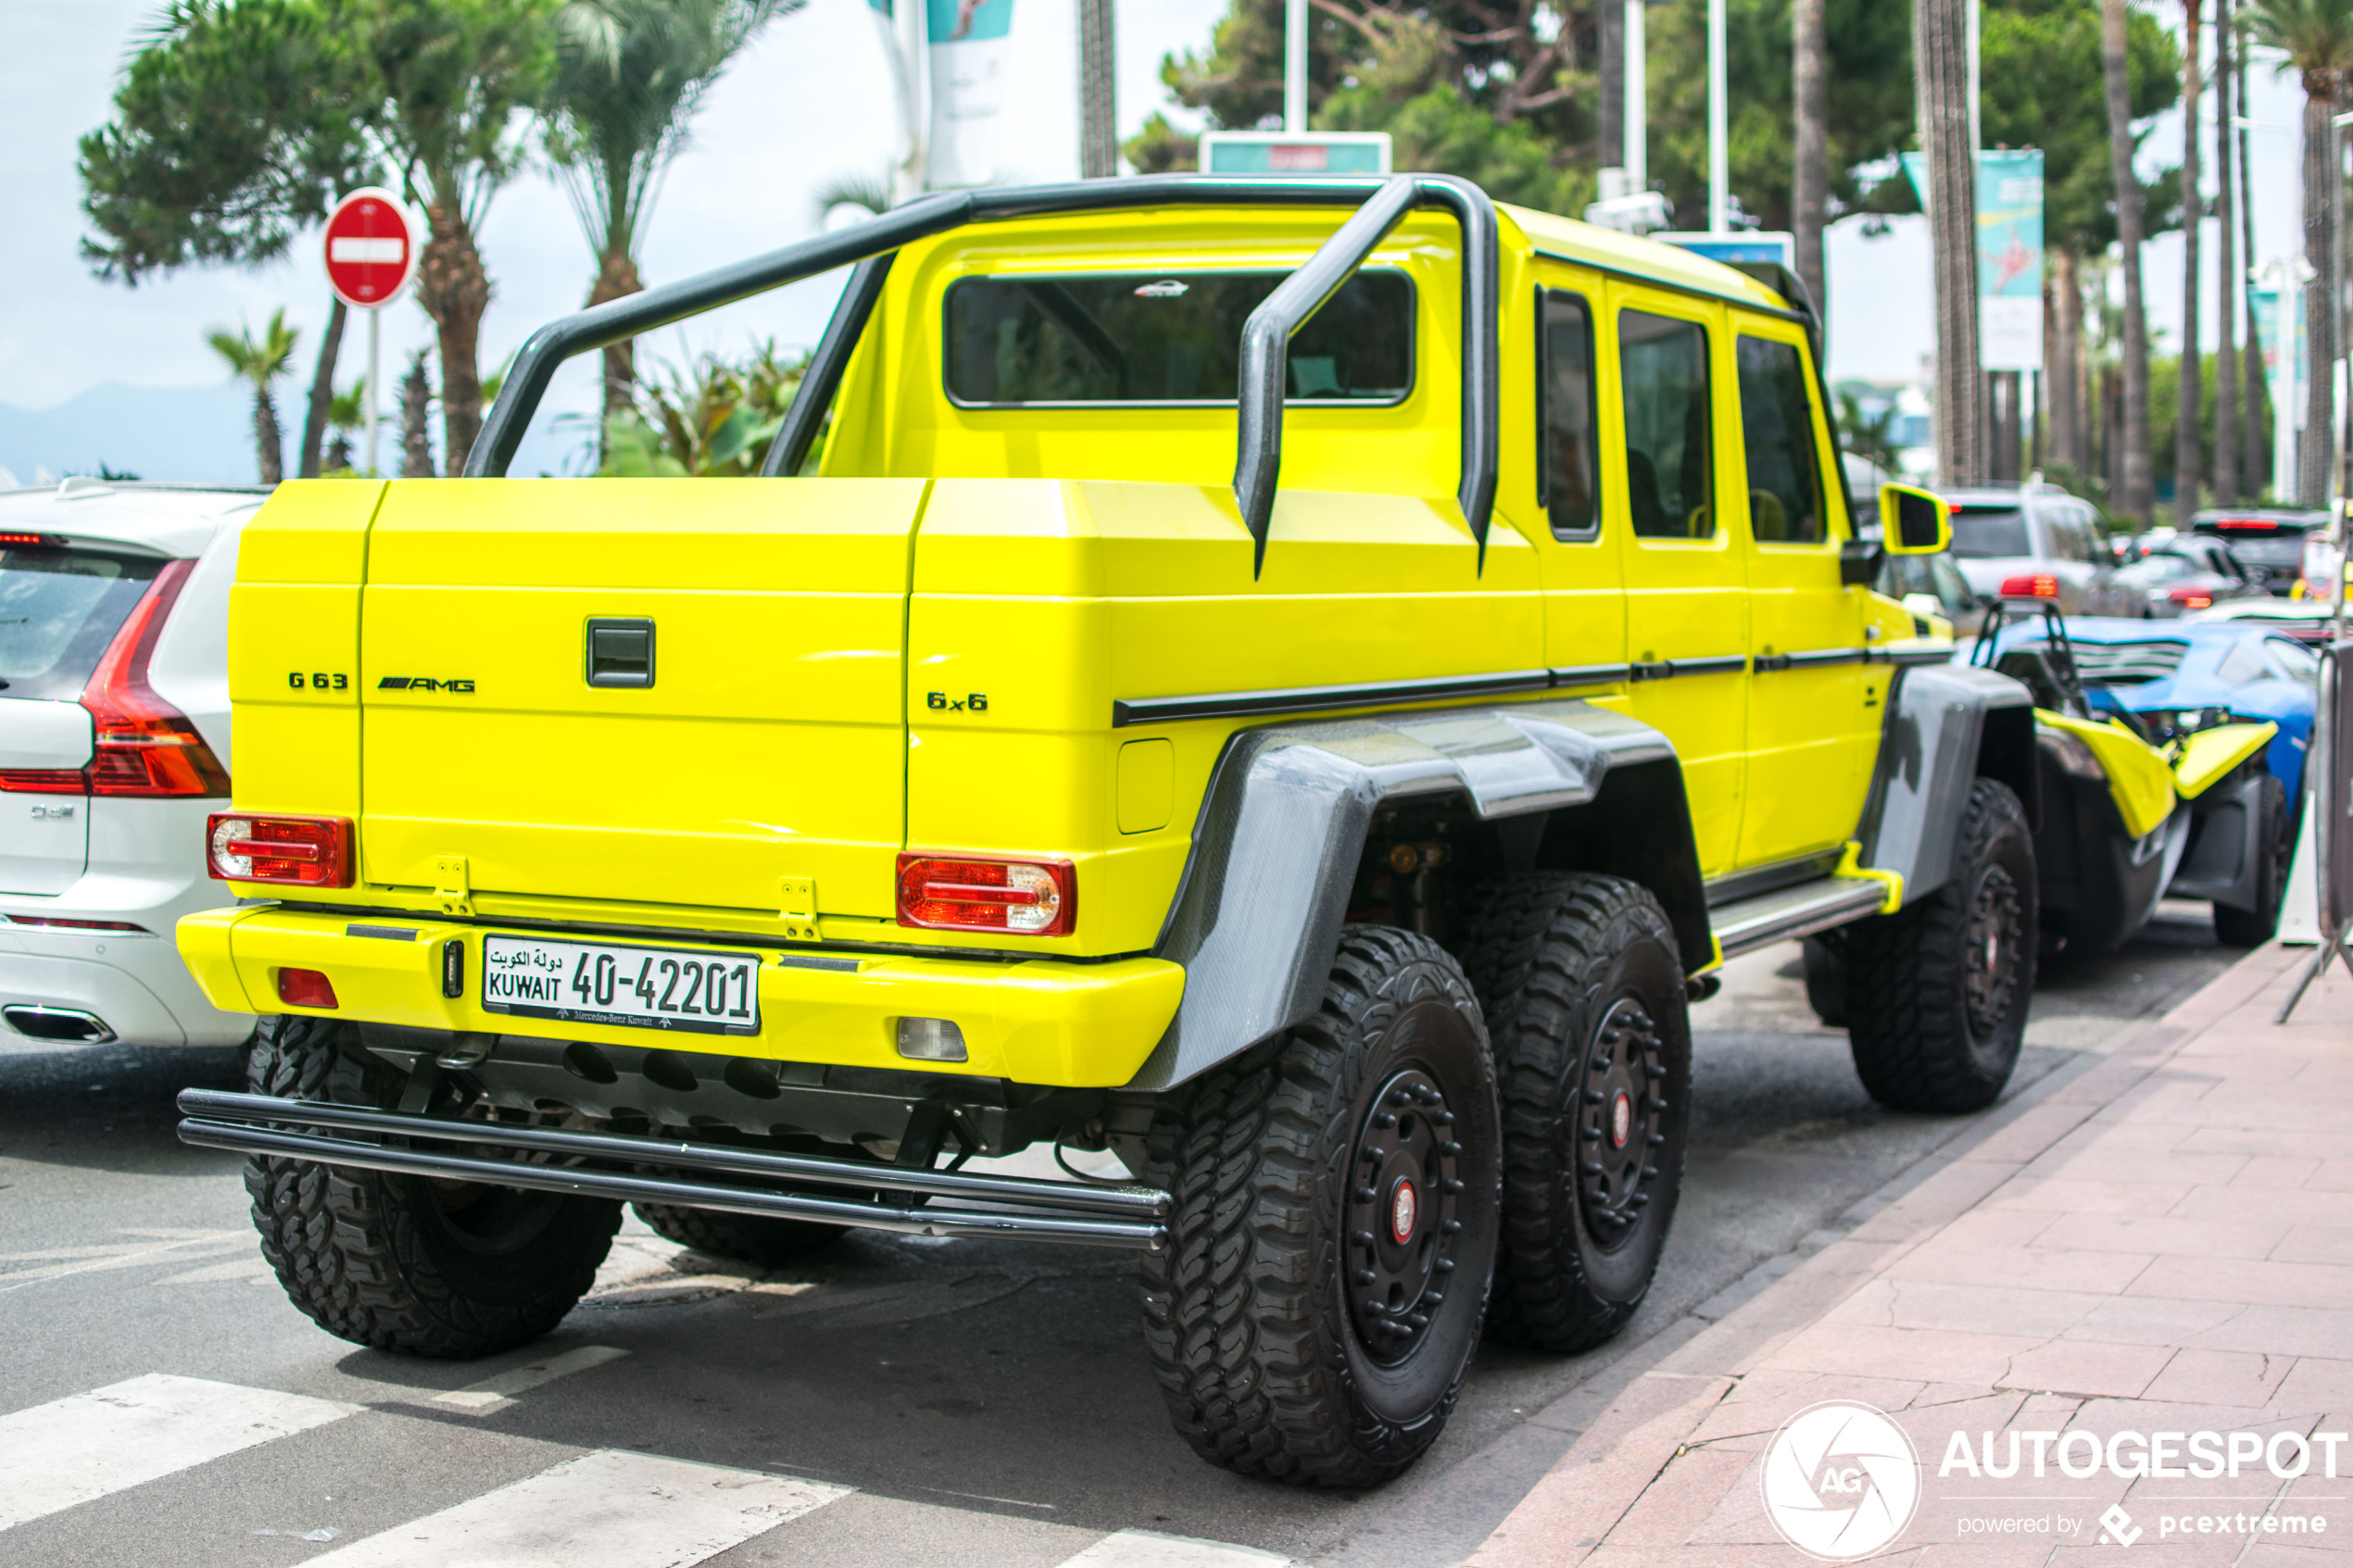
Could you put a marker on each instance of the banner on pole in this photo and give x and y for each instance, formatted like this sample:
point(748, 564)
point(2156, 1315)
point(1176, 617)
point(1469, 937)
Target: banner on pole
point(969, 42)
point(2009, 255)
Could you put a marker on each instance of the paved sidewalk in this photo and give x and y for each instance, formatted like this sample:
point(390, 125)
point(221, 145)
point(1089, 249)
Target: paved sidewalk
point(2159, 1244)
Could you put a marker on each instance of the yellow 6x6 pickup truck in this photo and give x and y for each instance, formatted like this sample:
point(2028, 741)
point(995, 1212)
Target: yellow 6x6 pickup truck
point(1296, 684)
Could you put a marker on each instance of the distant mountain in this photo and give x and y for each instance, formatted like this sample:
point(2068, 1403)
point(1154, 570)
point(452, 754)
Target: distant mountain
point(192, 434)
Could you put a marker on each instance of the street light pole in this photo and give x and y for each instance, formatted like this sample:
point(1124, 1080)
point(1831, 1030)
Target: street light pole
point(375, 349)
point(1295, 65)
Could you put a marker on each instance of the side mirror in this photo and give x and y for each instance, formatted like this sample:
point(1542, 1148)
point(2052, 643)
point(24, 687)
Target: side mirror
point(1915, 522)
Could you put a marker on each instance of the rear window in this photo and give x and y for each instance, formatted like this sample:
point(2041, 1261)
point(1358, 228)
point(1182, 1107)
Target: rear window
point(1167, 337)
point(2268, 550)
point(1983, 535)
point(58, 610)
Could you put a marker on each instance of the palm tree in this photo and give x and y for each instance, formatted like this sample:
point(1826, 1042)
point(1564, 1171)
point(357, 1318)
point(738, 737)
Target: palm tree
point(1940, 65)
point(2316, 37)
point(629, 76)
point(1809, 187)
point(345, 413)
point(2186, 424)
point(2226, 367)
point(2136, 489)
point(261, 363)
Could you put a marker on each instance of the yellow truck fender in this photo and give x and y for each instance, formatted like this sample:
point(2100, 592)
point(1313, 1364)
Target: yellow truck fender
point(2208, 756)
point(1285, 827)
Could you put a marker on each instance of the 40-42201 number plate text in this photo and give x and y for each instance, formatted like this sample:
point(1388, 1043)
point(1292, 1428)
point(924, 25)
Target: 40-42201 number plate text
point(702, 993)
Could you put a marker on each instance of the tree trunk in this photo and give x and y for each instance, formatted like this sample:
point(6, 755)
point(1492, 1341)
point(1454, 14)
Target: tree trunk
point(2135, 495)
point(1939, 55)
point(2186, 425)
point(2066, 374)
point(616, 278)
point(269, 443)
point(1098, 91)
point(416, 413)
point(455, 291)
point(1609, 113)
point(322, 390)
point(2313, 452)
point(2226, 364)
point(2256, 455)
point(1809, 190)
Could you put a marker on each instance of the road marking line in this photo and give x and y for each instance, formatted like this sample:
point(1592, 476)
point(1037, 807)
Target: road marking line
point(610, 1509)
point(1150, 1548)
point(85, 1445)
point(124, 1258)
point(499, 1391)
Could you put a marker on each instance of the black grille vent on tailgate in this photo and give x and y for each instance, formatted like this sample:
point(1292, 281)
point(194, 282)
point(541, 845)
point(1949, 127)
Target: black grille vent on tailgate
point(2129, 664)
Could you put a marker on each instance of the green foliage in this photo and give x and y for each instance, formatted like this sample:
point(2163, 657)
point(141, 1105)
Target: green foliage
point(710, 417)
point(2316, 35)
point(2165, 401)
point(1869, 436)
point(457, 78)
point(2043, 88)
point(236, 125)
point(1160, 148)
point(628, 76)
point(260, 361)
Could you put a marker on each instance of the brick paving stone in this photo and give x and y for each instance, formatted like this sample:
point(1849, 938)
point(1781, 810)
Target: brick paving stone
point(2024, 1268)
point(2066, 1195)
point(1867, 1350)
point(2268, 1141)
point(2318, 1383)
point(2315, 1244)
point(2334, 1175)
point(2220, 1377)
point(2088, 1367)
point(1687, 1496)
point(2276, 1170)
point(1970, 1308)
point(2288, 1331)
point(2125, 1320)
point(2258, 1282)
point(2312, 1204)
point(2165, 1234)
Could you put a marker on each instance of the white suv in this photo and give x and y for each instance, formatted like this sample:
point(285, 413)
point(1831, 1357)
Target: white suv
point(114, 745)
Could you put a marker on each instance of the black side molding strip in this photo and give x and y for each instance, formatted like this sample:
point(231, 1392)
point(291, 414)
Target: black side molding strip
point(1315, 699)
point(1908, 657)
point(1590, 674)
point(1810, 658)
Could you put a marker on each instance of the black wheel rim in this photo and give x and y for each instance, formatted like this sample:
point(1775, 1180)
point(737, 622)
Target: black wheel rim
point(1618, 1111)
point(1404, 1191)
point(1991, 954)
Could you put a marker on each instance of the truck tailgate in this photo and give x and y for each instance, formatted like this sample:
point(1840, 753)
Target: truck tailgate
point(769, 742)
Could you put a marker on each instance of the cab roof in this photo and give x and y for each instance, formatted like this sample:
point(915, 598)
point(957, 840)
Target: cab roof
point(1594, 245)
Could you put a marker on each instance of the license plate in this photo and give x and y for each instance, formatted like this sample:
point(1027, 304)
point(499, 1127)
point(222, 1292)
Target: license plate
point(698, 993)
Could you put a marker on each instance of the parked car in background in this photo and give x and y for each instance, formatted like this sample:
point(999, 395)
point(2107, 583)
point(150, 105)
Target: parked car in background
point(114, 747)
point(1916, 580)
point(2306, 621)
point(2188, 571)
point(2267, 541)
point(2034, 541)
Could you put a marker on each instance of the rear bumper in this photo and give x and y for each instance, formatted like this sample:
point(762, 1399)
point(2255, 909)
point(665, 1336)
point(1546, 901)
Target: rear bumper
point(1042, 1021)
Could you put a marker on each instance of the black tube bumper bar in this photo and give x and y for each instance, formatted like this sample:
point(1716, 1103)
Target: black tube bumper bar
point(888, 1198)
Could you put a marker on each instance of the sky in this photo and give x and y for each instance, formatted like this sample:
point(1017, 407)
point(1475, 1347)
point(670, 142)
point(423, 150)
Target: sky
point(808, 102)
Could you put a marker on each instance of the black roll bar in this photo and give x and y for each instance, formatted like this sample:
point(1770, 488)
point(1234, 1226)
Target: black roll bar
point(1259, 416)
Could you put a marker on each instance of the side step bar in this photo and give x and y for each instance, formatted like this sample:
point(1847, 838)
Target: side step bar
point(1759, 922)
point(882, 1198)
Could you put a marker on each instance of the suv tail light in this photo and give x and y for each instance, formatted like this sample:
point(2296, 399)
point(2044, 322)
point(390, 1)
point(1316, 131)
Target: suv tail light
point(2030, 585)
point(305, 988)
point(147, 747)
point(2191, 598)
point(1024, 898)
point(292, 851)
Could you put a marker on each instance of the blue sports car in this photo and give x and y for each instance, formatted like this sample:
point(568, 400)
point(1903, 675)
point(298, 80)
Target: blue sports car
point(2175, 677)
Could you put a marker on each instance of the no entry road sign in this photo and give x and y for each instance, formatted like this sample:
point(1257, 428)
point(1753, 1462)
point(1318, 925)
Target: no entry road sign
point(370, 248)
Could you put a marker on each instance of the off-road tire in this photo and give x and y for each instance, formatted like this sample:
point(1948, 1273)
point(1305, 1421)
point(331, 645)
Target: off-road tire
point(1934, 1023)
point(407, 1263)
point(1256, 1336)
point(2252, 928)
point(748, 1238)
point(1824, 958)
point(1556, 957)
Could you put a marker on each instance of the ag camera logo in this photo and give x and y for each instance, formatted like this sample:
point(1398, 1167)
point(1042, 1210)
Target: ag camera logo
point(1841, 1480)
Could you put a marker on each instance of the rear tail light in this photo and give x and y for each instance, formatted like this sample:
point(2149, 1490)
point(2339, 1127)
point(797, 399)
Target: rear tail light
point(17, 539)
point(291, 851)
point(304, 988)
point(147, 747)
point(50, 922)
point(2030, 585)
point(1024, 898)
point(2191, 598)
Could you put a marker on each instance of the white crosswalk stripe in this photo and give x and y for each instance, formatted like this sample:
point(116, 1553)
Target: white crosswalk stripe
point(496, 1393)
point(1150, 1548)
point(85, 1445)
point(609, 1508)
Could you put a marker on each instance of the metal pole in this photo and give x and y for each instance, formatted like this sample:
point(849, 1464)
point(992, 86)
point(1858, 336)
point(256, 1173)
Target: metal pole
point(1719, 135)
point(1638, 101)
point(1295, 65)
point(1976, 91)
point(375, 348)
point(1098, 91)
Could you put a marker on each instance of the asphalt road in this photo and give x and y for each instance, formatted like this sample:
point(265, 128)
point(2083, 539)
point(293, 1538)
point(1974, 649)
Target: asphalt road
point(911, 1402)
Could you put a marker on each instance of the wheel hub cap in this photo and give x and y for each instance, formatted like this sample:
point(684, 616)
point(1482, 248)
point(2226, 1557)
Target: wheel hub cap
point(1993, 931)
point(1402, 1229)
point(1619, 1112)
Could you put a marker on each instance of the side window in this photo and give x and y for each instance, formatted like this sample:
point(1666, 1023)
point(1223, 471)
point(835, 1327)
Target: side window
point(1662, 364)
point(1568, 463)
point(1777, 428)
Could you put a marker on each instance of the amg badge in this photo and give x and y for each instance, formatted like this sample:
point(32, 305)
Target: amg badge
point(422, 683)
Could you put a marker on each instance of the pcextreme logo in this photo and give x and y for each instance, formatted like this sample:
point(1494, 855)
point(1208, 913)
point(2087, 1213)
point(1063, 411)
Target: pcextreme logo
point(1841, 1480)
